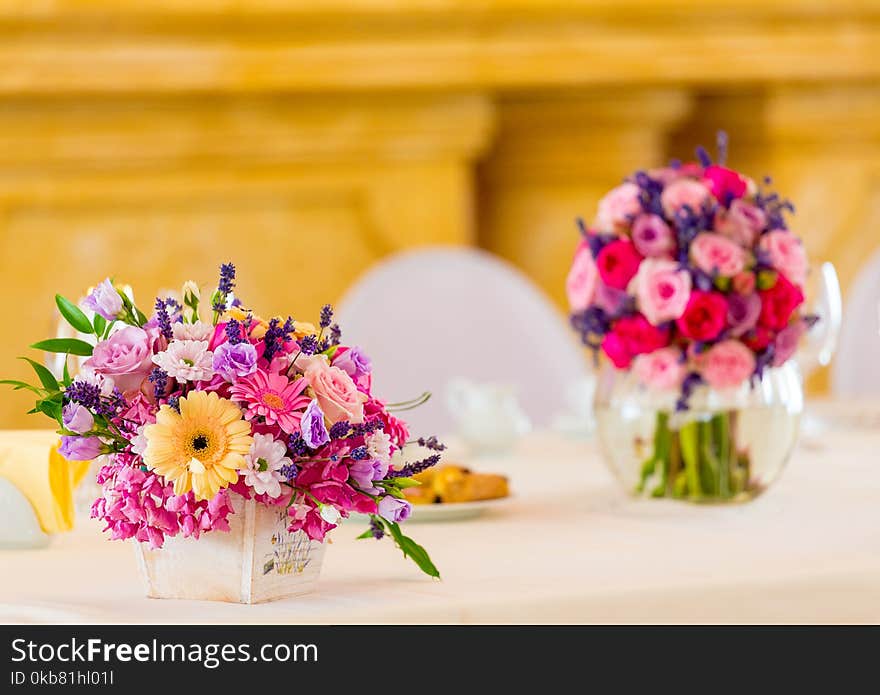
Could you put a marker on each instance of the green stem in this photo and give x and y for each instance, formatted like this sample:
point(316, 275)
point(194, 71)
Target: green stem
point(689, 437)
point(721, 430)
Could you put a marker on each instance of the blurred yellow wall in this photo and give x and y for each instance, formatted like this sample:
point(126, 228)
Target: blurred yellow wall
point(305, 140)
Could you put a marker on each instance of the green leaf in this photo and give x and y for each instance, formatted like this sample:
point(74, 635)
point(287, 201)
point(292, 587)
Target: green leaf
point(404, 483)
point(413, 550)
point(99, 323)
point(366, 534)
point(19, 385)
point(50, 408)
point(73, 314)
point(65, 377)
point(394, 492)
point(71, 346)
point(46, 377)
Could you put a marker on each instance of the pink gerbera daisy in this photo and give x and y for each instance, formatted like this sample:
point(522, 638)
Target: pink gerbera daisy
point(272, 397)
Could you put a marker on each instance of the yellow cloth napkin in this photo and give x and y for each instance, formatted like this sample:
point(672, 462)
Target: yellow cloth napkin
point(29, 459)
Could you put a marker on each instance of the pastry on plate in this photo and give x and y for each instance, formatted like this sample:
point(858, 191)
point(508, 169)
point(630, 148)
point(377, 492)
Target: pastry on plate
point(451, 483)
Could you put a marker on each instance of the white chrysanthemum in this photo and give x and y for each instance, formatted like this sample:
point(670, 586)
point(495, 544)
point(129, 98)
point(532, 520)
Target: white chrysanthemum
point(193, 331)
point(187, 360)
point(379, 446)
point(263, 464)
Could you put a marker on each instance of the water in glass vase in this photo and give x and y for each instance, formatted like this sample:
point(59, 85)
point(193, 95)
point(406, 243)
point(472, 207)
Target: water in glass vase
point(727, 447)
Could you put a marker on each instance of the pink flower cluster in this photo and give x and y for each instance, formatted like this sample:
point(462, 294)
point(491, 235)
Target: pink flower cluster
point(138, 504)
point(689, 273)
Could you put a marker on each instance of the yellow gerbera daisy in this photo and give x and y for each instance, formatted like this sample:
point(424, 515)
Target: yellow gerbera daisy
point(202, 447)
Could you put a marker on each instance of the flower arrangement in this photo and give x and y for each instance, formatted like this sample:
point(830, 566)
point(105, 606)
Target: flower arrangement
point(690, 277)
point(184, 413)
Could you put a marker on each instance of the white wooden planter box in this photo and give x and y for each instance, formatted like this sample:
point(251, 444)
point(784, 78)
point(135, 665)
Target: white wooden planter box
point(258, 560)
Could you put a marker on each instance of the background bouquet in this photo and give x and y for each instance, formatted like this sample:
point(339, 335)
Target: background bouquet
point(185, 413)
point(690, 277)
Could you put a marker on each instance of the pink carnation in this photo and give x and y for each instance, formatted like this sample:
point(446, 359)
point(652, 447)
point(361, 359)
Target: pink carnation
point(618, 208)
point(580, 286)
point(141, 505)
point(662, 290)
point(786, 254)
point(727, 364)
point(663, 369)
point(713, 253)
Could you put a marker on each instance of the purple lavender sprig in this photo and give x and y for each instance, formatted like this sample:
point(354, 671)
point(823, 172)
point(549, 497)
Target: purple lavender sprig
point(431, 443)
point(276, 336)
point(326, 316)
point(411, 469)
point(234, 332)
point(159, 378)
point(224, 287)
point(163, 319)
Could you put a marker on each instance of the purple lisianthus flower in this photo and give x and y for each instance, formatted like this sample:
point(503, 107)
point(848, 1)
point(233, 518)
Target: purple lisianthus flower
point(365, 471)
point(354, 363)
point(742, 313)
point(104, 300)
point(786, 343)
point(232, 361)
point(76, 418)
point(394, 510)
point(80, 448)
point(314, 431)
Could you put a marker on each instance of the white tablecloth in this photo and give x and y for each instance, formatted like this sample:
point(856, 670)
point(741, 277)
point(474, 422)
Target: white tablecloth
point(569, 547)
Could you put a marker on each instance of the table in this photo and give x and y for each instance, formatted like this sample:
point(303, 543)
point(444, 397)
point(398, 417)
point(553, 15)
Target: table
point(570, 547)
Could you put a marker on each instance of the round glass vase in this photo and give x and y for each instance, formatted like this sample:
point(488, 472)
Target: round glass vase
point(728, 446)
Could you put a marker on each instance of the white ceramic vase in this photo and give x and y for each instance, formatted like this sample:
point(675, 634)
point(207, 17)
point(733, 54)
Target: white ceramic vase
point(258, 560)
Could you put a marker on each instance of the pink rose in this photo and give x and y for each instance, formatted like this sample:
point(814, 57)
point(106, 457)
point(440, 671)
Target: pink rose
point(609, 299)
point(704, 317)
point(741, 223)
point(631, 336)
point(619, 206)
point(337, 394)
point(662, 290)
point(714, 253)
point(663, 369)
point(786, 254)
point(652, 237)
point(684, 192)
point(125, 357)
point(581, 282)
point(726, 184)
point(727, 364)
point(617, 263)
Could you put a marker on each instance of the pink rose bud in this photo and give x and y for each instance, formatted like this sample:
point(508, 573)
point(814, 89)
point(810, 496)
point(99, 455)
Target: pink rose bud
point(663, 369)
point(684, 192)
point(786, 254)
point(728, 364)
point(713, 253)
point(580, 286)
point(662, 290)
point(618, 208)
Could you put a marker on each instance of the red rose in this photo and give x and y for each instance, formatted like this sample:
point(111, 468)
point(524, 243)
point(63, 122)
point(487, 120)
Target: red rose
point(704, 316)
point(779, 302)
point(631, 336)
point(758, 338)
point(618, 263)
point(725, 184)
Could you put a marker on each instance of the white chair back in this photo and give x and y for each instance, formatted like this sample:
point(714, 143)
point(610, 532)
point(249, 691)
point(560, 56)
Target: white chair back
point(854, 371)
point(432, 316)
